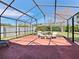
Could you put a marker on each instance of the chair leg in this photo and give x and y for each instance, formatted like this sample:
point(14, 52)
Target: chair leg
point(38, 36)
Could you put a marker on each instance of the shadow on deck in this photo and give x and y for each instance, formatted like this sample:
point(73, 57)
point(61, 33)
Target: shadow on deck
point(32, 47)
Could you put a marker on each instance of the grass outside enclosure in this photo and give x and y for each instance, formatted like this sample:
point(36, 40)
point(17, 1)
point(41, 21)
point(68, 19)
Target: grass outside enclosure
point(76, 35)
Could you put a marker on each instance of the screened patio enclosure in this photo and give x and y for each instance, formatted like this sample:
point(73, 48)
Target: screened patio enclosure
point(20, 18)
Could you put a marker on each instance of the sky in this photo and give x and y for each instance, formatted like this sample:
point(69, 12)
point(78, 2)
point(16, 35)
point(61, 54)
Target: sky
point(25, 5)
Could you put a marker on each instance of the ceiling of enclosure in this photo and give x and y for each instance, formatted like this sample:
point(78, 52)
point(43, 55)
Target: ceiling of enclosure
point(44, 11)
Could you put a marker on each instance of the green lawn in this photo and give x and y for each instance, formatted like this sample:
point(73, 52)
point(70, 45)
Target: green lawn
point(70, 35)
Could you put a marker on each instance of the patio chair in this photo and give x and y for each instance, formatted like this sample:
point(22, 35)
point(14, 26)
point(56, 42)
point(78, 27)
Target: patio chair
point(54, 34)
point(48, 36)
point(40, 34)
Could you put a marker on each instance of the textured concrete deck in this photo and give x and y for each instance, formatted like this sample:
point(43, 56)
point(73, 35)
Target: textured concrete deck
point(32, 47)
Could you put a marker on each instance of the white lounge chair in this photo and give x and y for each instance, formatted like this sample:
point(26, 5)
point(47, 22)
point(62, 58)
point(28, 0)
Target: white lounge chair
point(40, 34)
point(54, 34)
point(48, 36)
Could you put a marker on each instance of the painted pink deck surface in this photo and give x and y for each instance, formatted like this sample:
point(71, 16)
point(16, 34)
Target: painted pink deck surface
point(32, 47)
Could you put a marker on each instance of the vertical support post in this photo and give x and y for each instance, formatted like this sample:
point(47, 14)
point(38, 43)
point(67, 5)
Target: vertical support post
point(25, 29)
point(4, 31)
point(68, 28)
point(73, 29)
point(77, 28)
point(55, 11)
point(32, 29)
point(0, 27)
point(36, 25)
point(16, 28)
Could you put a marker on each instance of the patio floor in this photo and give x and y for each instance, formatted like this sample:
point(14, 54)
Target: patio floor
point(32, 47)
